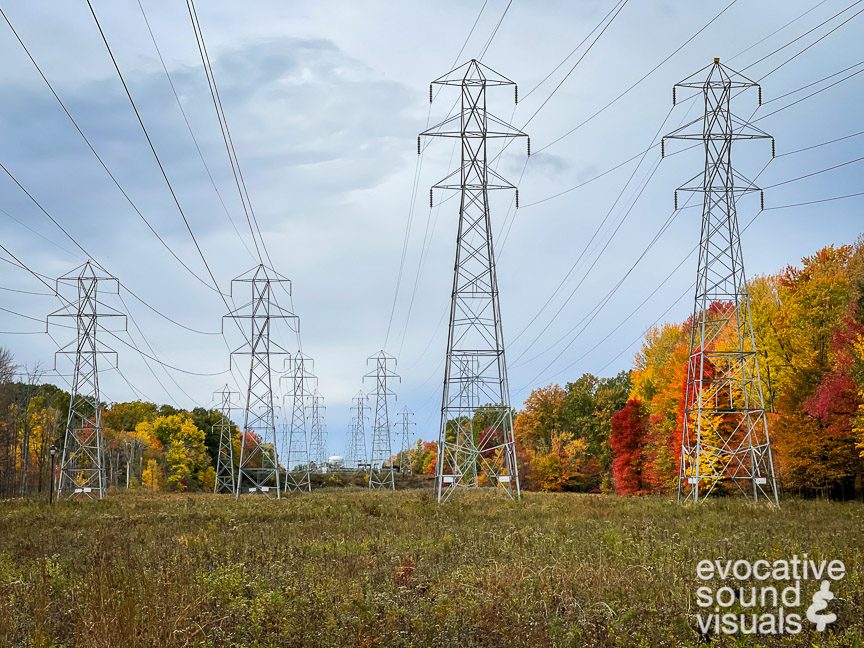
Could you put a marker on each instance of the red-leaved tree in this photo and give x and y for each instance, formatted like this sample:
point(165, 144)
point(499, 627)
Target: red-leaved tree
point(627, 439)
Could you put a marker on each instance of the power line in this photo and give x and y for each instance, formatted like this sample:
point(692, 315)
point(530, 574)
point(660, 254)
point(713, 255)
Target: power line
point(226, 132)
point(239, 179)
point(816, 202)
point(778, 30)
point(508, 228)
point(814, 173)
point(68, 235)
point(592, 314)
point(799, 37)
point(164, 316)
point(641, 79)
point(807, 148)
point(824, 36)
point(572, 52)
point(468, 37)
point(494, 31)
point(812, 83)
point(542, 308)
point(641, 153)
point(26, 292)
point(165, 178)
point(812, 94)
point(593, 236)
point(585, 250)
point(679, 298)
point(619, 6)
point(99, 157)
point(609, 295)
point(40, 235)
point(155, 153)
point(416, 183)
point(153, 351)
point(575, 65)
point(191, 132)
point(617, 11)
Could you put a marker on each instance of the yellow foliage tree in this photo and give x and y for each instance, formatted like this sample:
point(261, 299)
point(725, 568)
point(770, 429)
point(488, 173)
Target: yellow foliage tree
point(152, 476)
point(186, 459)
point(563, 465)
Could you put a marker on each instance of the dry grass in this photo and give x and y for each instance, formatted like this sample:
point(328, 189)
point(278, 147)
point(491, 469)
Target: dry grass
point(348, 567)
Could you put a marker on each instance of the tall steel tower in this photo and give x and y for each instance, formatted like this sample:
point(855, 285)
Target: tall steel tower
point(317, 442)
point(725, 443)
point(381, 470)
point(297, 459)
point(357, 457)
point(258, 470)
point(82, 466)
point(468, 456)
point(403, 424)
point(225, 482)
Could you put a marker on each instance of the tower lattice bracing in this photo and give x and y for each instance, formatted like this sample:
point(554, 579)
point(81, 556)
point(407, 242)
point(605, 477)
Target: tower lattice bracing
point(297, 444)
point(258, 470)
point(404, 423)
point(225, 470)
point(381, 469)
point(317, 441)
point(82, 466)
point(357, 457)
point(475, 440)
point(725, 445)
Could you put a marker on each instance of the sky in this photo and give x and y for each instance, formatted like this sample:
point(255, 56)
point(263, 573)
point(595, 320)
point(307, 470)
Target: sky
point(324, 101)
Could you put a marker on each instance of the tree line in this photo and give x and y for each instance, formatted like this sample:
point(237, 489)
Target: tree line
point(618, 434)
point(624, 434)
point(157, 447)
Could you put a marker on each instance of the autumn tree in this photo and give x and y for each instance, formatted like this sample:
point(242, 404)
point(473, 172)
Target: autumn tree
point(185, 459)
point(627, 439)
point(659, 379)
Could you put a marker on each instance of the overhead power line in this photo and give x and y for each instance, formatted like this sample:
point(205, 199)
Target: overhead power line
point(156, 157)
point(800, 36)
point(226, 133)
point(99, 158)
point(192, 132)
point(640, 79)
point(494, 31)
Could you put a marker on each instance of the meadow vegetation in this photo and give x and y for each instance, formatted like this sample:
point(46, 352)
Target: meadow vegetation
point(350, 567)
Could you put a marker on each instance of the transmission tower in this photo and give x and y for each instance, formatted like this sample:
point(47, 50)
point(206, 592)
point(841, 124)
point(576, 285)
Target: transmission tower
point(258, 470)
point(317, 442)
point(404, 424)
point(297, 460)
point(725, 442)
point(381, 468)
point(82, 466)
point(475, 339)
point(225, 482)
point(357, 457)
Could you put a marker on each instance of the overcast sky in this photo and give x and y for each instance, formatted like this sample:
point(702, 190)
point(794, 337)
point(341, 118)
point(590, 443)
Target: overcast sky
point(324, 101)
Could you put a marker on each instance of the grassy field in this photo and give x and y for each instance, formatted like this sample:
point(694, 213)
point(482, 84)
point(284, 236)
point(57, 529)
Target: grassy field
point(348, 567)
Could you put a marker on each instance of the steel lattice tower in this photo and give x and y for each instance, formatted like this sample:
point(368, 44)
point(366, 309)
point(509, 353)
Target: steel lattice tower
point(381, 475)
point(297, 459)
point(725, 441)
point(82, 466)
point(357, 457)
point(317, 442)
point(404, 424)
point(259, 458)
point(225, 482)
point(468, 457)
